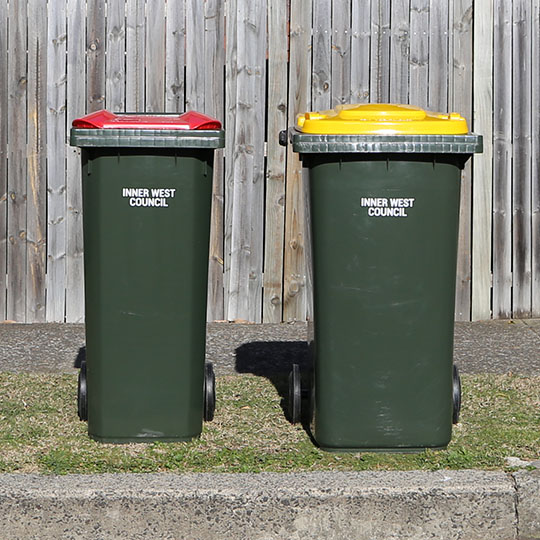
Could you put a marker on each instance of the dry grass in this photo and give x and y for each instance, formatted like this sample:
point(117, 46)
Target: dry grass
point(40, 432)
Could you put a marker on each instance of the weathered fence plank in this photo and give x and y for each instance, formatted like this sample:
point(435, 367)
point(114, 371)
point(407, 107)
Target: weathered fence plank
point(275, 170)
point(76, 105)
point(3, 156)
point(535, 151)
point(461, 92)
point(16, 124)
point(37, 165)
point(294, 271)
point(360, 50)
point(56, 165)
point(175, 57)
point(321, 76)
point(115, 85)
point(438, 56)
point(399, 52)
point(483, 163)
point(135, 54)
point(419, 49)
point(214, 58)
point(380, 51)
point(521, 164)
point(155, 57)
point(341, 53)
point(195, 67)
point(95, 55)
point(502, 163)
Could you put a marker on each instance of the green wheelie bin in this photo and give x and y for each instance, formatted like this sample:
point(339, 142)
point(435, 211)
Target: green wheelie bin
point(384, 183)
point(147, 184)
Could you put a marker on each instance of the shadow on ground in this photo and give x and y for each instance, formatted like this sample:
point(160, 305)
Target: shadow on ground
point(274, 360)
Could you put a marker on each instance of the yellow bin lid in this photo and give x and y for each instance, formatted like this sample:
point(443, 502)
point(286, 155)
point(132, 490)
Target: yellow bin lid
point(381, 119)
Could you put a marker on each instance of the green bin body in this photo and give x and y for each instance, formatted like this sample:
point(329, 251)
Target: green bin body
point(146, 217)
point(384, 218)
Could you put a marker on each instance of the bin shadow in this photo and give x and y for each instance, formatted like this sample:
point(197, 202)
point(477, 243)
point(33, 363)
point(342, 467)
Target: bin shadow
point(274, 360)
point(80, 358)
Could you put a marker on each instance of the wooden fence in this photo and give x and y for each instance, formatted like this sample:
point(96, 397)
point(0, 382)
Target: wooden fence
point(254, 64)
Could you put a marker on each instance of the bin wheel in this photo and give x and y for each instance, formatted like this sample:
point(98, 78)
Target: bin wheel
point(82, 394)
point(295, 394)
point(456, 395)
point(209, 392)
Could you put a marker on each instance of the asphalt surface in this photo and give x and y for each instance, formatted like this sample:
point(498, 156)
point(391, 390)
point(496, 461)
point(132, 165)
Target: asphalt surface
point(501, 346)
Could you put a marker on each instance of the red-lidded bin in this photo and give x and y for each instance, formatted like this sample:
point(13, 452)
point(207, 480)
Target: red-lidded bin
point(147, 186)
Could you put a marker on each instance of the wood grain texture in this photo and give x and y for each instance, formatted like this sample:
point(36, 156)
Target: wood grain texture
point(483, 163)
point(56, 165)
point(155, 57)
point(380, 51)
point(294, 271)
point(36, 163)
point(322, 55)
point(214, 93)
point(16, 124)
point(95, 55)
point(341, 53)
point(502, 162)
point(276, 164)
point(115, 80)
point(76, 105)
point(135, 54)
point(360, 50)
point(3, 156)
point(419, 50)
point(175, 56)
point(438, 56)
point(400, 52)
point(461, 92)
point(521, 163)
point(535, 166)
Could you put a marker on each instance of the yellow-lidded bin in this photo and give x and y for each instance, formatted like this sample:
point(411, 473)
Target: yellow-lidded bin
point(381, 119)
point(384, 183)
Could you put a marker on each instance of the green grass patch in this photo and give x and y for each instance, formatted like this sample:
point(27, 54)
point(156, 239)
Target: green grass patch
point(40, 432)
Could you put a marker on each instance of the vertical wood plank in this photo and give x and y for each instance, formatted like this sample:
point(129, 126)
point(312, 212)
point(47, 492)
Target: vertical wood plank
point(3, 155)
point(502, 163)
point(245, 288)
point(360, 50)
point(76, 103)
point(438, 56)
point(195, 68)
point(37, 165)
point(418, 72)
point(322, 43)
point(399, 52)
point(175, 56)
point(95, 54)
point(231, 75)
point(214, 47)
point(155, 57)
point(341, 53)
point(461, 91)
point(294, 295)
point(16, 126)
point(483, 172)
point(56, 162)
point(135, 54)
point(380, 51)
point(115, 85)
point(535, 152)
point(275, 171)
point(521, 164)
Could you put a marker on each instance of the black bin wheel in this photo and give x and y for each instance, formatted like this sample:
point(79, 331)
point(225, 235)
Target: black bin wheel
point(82, 394)
point(209, 392)
point(456, 395)
point(295, 394)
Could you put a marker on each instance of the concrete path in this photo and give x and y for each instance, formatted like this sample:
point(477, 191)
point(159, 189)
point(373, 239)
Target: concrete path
point(469, 505)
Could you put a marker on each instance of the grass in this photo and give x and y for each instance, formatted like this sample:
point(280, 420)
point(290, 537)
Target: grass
point(40, 432)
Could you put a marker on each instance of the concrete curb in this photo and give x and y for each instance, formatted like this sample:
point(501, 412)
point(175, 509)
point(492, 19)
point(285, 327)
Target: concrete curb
point(330, 505)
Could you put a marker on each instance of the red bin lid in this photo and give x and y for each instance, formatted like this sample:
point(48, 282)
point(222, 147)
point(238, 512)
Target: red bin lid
point(107, 120)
